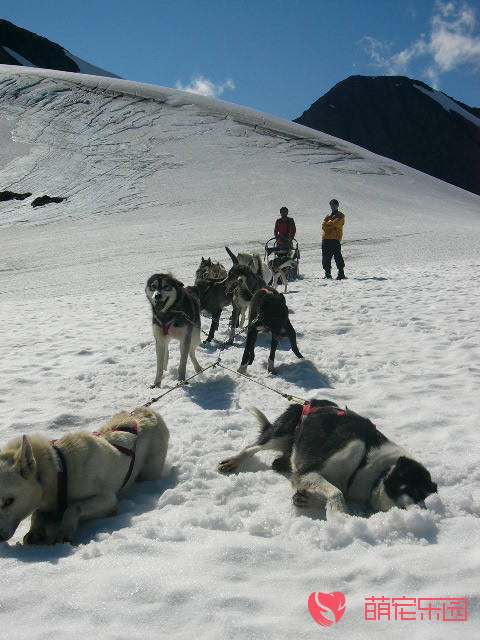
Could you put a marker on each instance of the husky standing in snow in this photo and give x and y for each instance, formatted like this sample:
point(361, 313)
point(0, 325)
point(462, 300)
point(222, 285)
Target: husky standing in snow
point(176, 314)
point(211, 282)
point(78, 476)
point(336, 455)
point(243, 283)
point(280, 266)
point(254, 262)
point(268, 312)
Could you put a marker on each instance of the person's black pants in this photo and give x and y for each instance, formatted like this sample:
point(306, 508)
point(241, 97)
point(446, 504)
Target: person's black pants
point(332, 249)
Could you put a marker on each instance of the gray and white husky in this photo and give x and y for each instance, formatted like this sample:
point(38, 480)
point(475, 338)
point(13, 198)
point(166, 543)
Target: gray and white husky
point(175, 314)
point(280, 266)
point(336, 455)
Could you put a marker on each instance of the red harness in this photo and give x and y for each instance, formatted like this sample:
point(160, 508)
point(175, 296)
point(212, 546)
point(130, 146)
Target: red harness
point(166, 328)
point(308, 409)
point(128, 452)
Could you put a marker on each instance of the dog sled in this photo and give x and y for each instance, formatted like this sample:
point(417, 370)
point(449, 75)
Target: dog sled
point(284, 252)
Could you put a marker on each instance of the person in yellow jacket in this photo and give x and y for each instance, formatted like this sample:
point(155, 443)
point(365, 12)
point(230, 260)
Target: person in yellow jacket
point(331, 243)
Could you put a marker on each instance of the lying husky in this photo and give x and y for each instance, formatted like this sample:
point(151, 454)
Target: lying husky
point(336, 455)
point(268, 313)
point(78, 476)
point(176, 314)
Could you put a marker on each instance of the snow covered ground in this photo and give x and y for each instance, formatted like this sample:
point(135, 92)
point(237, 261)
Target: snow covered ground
point(155, 179)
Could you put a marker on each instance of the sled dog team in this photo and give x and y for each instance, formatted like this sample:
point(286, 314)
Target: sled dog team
point(333, 455)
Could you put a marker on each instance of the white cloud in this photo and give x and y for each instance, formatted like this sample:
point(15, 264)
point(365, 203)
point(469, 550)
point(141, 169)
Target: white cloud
point(205, 87)
point(453, 41)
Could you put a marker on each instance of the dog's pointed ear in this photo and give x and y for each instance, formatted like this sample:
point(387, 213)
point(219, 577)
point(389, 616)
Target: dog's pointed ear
point(233, 257)
point(402, 463)
point(25, 462)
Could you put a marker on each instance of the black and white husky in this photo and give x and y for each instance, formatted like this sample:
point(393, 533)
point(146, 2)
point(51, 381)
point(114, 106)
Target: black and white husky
point(268, 313)
point(176, 314)
point(336, 455)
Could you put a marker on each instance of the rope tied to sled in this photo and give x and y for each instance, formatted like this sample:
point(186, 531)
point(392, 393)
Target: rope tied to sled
point(181, 383)
point(288, 396)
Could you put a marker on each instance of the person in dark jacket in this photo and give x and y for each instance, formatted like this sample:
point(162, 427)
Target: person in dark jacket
point(285, 229)
point(331, 243)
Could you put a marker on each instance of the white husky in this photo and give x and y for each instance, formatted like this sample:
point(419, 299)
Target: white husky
point(78, 476)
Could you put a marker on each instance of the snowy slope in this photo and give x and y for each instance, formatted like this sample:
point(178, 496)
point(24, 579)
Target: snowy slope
point(155, 178)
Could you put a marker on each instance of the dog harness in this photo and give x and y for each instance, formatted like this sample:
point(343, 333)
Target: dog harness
point(62, 471)
point(62, 478)
point(166, 327)
point(129, 428)
point(308, 409)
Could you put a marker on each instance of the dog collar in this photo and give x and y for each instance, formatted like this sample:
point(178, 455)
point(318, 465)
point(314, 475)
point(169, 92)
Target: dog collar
point(382, 475)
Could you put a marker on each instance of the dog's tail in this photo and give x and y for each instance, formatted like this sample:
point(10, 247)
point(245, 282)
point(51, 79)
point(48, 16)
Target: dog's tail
point(266, 427)
point(232, 255)
point(293, 340)
point(261, 417)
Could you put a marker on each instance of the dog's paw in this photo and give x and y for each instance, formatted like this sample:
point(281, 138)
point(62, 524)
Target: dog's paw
point(302, 499)
point(271, 367)
point(64, 538)
point(336, 504)
point(281, 465)
point(35, 536)
point(229, 465)
point(156, 385)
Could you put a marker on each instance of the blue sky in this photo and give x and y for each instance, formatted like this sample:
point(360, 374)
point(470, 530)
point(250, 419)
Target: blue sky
point(277, 56)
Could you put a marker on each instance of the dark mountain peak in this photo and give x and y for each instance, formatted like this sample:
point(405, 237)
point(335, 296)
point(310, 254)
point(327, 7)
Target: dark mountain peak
point(406, 120)
point(39, 51)
point(22, 47)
